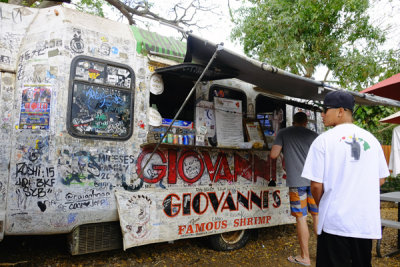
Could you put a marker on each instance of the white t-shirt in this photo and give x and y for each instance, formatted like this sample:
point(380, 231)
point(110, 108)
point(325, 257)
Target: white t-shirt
point(349, 161)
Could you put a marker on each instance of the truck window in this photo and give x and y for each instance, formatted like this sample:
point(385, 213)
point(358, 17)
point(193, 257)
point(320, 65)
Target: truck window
point(271, 113)
point(100, 99)
point(311, 116)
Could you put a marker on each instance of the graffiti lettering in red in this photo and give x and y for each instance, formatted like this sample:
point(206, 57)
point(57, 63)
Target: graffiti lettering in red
point(190, 165)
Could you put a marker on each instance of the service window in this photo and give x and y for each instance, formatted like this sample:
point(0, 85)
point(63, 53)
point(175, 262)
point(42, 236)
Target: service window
point(100, 99)
point(271, 113)
point(311, 116)
point(171, 99)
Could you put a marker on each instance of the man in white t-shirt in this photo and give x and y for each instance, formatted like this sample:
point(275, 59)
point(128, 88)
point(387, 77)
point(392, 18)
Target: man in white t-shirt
point(346, 166)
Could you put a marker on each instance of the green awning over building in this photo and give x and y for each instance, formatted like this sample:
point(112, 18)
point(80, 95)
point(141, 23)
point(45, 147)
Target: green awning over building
point(154, 43)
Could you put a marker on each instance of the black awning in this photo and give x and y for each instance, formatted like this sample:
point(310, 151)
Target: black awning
point(269, 78)
point(193, 71)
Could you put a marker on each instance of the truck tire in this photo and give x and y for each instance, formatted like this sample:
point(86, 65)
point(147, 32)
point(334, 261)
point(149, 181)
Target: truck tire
point(230, 240)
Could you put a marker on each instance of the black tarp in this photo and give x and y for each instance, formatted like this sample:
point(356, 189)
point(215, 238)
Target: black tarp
point(268, 78)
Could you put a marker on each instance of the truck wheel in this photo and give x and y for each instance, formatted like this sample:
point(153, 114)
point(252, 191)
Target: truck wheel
point(230, 240)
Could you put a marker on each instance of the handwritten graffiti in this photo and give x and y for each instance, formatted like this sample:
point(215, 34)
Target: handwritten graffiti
point(191, 165)
point(117, 163)
point(45, 203)
point(87, 200)
point(10, 41)
point(34, 180)
point(36, 73)
point(101, 171)
point(101, 111)
point(102, 98)
point(28, 169)
point(82, 166)
point(15, 15)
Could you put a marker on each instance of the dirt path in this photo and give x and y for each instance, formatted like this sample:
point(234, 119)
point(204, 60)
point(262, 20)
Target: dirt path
point(271, 248)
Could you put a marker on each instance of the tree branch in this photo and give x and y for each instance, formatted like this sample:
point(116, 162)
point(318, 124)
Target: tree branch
point(183, 15)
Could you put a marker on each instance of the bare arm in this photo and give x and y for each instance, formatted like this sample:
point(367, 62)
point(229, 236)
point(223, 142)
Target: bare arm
point(382, 181)
point(275, 151)
point(317, 190)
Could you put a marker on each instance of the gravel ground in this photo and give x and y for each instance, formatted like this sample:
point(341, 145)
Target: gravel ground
point(271, 248)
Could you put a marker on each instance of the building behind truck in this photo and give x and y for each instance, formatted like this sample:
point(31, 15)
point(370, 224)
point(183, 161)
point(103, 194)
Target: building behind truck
point(85, 101)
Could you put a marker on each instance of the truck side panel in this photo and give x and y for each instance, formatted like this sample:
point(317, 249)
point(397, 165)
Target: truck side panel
point(43, 196)
point(78, 128)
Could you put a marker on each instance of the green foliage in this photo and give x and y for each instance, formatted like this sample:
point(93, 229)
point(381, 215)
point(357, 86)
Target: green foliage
point(391, 184)
point(94, 7)
point(368, 118)
point(299, 35)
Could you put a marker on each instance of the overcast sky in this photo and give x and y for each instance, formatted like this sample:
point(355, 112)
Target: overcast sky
point(385, 14)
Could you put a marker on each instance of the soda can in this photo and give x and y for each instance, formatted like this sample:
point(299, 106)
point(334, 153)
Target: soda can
point(180, 139)
point(170, 138)
point(175, 141)
point(165, 139)
point(185, 140)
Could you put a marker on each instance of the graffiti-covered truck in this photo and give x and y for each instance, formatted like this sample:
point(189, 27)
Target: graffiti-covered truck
point(86, 105)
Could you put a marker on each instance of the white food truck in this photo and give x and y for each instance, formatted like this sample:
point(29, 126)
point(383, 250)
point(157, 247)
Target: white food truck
point(86, 103)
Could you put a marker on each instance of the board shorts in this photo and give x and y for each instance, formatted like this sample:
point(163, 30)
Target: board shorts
point(302, 201)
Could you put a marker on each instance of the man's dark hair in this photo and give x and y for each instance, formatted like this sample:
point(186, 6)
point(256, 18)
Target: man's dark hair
point(300, 118)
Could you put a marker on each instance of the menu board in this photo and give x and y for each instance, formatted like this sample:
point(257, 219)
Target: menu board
point(228, 117)
point(254, 130)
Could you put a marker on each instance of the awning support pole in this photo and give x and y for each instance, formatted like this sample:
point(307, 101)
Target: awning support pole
point(218, 48)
